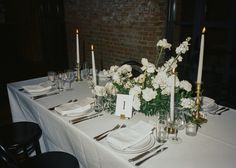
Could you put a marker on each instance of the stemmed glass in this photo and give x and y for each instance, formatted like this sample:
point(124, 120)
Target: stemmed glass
point(69, 78)
point(52, 77)
point(180, 119)
point(85, 74)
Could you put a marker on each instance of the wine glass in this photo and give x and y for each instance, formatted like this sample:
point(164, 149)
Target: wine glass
point(173, 136)
point(180, 119)
point(85, 74)
point(69, 78)
point(52, 77)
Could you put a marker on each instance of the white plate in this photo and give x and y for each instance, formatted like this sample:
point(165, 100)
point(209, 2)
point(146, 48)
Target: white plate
point(38, 88)
point(141, 146)
point(78, 108)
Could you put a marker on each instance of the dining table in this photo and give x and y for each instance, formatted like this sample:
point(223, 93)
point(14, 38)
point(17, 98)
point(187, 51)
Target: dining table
point(214, 146)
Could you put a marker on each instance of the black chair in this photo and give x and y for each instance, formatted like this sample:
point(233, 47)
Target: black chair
point(136, 67)
point(21, 138)
point(45, 160)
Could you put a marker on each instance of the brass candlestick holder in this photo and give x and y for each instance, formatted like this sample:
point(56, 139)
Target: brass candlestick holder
point(78, 72)
point(198, 118)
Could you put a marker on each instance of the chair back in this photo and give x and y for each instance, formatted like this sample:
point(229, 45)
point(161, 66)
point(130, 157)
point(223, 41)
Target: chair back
point(6, 159)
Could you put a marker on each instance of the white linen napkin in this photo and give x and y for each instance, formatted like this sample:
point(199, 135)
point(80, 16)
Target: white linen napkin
point(75, 108)
point(41, 87)
point(127, 137)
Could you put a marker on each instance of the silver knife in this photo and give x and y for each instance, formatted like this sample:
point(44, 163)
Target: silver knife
point(144, 153)
point(154, 154)
point(44, 95)
point(88, 118)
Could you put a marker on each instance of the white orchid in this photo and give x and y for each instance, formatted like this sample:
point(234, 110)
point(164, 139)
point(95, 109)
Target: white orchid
point(163, 44)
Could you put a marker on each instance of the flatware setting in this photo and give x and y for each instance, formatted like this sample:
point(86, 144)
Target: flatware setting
point(69, 101)
point(44, 95)
point(154, 154)
point(220, 110)
point(84, 118)
point(144, 153)
point(106, 134)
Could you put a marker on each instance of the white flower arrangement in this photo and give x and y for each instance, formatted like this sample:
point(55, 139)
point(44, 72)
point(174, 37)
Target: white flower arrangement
point(151, 89)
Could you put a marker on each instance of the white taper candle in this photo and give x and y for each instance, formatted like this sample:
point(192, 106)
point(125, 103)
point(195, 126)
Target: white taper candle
point(172, 96)
point(200, 63)
point(77, 46)
point(93, 67)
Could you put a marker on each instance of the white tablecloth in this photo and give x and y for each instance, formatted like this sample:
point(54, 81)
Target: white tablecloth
point(214, 145)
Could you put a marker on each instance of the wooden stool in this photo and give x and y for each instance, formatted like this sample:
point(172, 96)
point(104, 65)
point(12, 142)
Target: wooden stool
point(21, 138)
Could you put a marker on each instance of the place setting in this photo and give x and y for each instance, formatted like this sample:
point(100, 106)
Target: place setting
point(208, 105)
point(40, 90)
point(136, 140)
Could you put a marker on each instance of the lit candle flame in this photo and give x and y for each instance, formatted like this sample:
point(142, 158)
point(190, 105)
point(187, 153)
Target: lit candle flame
point(91, 47)
point(77, 31)
point(203, 30)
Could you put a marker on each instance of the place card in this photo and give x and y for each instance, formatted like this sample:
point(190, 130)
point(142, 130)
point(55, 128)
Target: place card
point(124, 105)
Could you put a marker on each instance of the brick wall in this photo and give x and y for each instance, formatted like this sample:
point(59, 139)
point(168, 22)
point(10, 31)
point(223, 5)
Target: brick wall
point(120, 30)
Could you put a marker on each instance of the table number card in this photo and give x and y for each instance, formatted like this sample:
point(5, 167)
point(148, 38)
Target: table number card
point(124, 104)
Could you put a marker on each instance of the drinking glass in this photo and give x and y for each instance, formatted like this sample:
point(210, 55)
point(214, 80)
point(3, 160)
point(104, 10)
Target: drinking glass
point(85, 74)
point(60, 81)
point(52, 76)
point(161, 134)
point(180, 119)
point(173, 137)
point(191, 129)
point(69, 78)
point(98, 107)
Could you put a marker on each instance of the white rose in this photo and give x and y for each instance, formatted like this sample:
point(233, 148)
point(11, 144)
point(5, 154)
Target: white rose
point(187, 103)
point(148, 94)
point(185, 85)
point(116, 77)
point(110, 88)
point(136, 90)
point(100, 90)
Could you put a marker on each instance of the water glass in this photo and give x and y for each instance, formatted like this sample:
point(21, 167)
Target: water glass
point(69, 78)
point(161, 134)
point(98, 107)
point(52, 76)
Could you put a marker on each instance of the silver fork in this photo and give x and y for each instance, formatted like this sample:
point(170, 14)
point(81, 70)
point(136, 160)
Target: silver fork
point(104, 136)
point(116, 127)
point(52, 108)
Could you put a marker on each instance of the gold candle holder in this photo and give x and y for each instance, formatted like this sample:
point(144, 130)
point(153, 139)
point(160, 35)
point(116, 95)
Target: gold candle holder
point(197, 115)
point(78, 72)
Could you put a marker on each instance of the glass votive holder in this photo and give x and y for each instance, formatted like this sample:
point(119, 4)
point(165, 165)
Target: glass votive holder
point(191, 129)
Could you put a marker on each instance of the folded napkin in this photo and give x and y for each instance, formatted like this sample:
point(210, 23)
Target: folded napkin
point(127, 137)
point(41, 87)
point(208, 105)
point(74, 108)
